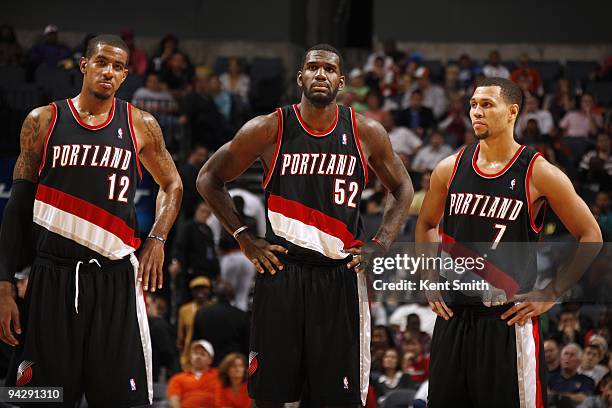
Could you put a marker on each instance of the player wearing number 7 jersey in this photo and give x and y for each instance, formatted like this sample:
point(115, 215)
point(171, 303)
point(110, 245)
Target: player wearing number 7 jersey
point(83, 323)
point(310, 315)
point(495, 191)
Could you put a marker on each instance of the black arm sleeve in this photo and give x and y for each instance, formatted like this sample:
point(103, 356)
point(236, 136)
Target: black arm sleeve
point(16, 230)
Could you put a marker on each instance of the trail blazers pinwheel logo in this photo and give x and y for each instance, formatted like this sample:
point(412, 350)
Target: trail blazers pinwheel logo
point(24, 373)
point(253, 363)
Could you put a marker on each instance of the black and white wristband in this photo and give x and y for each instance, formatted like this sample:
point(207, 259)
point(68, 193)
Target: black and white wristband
point(238, 231)
point(157, 237)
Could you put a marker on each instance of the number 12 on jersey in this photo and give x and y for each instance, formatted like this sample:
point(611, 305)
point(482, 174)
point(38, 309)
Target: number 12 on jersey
point(342, 193)
point(124, 183)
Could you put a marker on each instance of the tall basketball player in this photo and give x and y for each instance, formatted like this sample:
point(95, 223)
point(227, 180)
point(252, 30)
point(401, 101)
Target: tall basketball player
point(83, 324)
point(495, 191)
point(310, 315)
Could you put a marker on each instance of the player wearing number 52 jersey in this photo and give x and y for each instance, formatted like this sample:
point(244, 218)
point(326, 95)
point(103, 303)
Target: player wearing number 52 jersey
point(83, 325)
point(310, 329)
point(495, 192)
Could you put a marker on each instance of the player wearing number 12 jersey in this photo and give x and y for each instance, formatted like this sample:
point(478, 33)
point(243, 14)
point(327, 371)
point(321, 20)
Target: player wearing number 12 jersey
point(495, 192)
point(311, 320)
point(83, 324)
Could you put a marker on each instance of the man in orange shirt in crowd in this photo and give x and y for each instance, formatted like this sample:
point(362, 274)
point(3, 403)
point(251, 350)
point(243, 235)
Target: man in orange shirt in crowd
point(197, 387)
point(531, 74)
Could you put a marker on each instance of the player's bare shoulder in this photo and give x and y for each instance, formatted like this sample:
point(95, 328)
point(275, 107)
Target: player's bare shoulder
point(34, 130)
point(263, 128)
point(371, 133)
point(443, 172)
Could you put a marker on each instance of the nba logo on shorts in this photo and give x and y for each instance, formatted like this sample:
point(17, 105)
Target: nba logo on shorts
point(345, 382)
point(132, 384)
point(344, 140)
point(120, 133)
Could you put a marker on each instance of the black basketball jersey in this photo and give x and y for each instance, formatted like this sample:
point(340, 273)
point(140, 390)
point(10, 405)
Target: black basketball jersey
point(313, 187)
point(494, 209)
point(84, 203)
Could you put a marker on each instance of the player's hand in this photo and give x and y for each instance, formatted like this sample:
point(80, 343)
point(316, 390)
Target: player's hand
point(261, 253)
point(150, 272)
point(529, 305)
point(9, 313)
point(363, 255)
point(434, 297)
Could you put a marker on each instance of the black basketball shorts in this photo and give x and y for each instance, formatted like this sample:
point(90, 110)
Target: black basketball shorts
point(478, 361)
point(310, 333)
point(84, 328)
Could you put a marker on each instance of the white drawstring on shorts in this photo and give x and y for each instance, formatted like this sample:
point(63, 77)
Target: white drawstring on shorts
point(76, 282)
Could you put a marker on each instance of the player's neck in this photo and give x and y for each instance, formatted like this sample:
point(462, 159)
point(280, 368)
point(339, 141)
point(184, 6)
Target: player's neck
point(318, 118)
point(89, 105)
point(498, 149)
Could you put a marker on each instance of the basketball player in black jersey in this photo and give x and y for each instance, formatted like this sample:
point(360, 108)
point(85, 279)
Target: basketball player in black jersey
point(310, 326)
point(495, 191)
point(83, 324)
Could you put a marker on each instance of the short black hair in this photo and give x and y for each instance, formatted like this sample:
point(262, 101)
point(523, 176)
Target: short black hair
point(108, 39)
point(324, 47)
point(510, 91)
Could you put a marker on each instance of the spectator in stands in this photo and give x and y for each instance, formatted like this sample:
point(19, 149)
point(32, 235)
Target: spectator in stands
point(569, 329)
point(552, 355)
point(414, 360)
point(237, 269)
point(225, 326)
point(417, 117)
point(419, 196)
point(154, 97)
point(533, 76)
point(390, 49)
point(567, 382)
point(189, 173)
point(11, 52)
point(376, 75)
point(468, 70)
point(193, 252)
point(403, 140)
point(201, 115)
point(233, 376)
point(391, 378)
point(162, 338)
point(494, 68)
point(584, 122)
point(433, 95)
point(604, 397)
point(380, 342)
point(177, 73)
point(602, 213)
point(374, 104)
point(456, 122)
point(596, 165)
point(532, 110)
point(200, 293)
point(561, 100)
point(590, 366)
point(79, 51)
point(49, 50)
point(199, 386)
point(231, 107)
point(168, 45)
point(452, 84)
point(432, 153)
point(413, 324)
point(358, 88)
point(139, 62)
point(235, 81)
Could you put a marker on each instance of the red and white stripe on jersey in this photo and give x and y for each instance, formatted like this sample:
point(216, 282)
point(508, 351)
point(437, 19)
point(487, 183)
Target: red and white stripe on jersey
point(83, 222)
point(527, 364)
point(309, 228)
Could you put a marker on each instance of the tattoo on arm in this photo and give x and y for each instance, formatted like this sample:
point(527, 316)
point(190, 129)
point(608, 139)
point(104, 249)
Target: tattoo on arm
point(158, 146)
point(31, 142)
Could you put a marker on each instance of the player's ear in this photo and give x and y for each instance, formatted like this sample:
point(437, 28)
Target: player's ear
point(124, 74)
point(83, 65)
point(299, 79)
point(513, 112)
point(341, 83)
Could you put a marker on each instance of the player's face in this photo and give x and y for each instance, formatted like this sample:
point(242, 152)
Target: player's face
point(489, 112)
point(320, 78)
point(105, 70)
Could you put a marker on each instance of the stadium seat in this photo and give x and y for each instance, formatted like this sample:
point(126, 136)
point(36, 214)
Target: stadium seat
point(11, 75)
point(549, 70)
point(267, 84)
point(602, 90)
point(580, 70)
point(129, 86)
point(436, 69)
point(399, 399)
